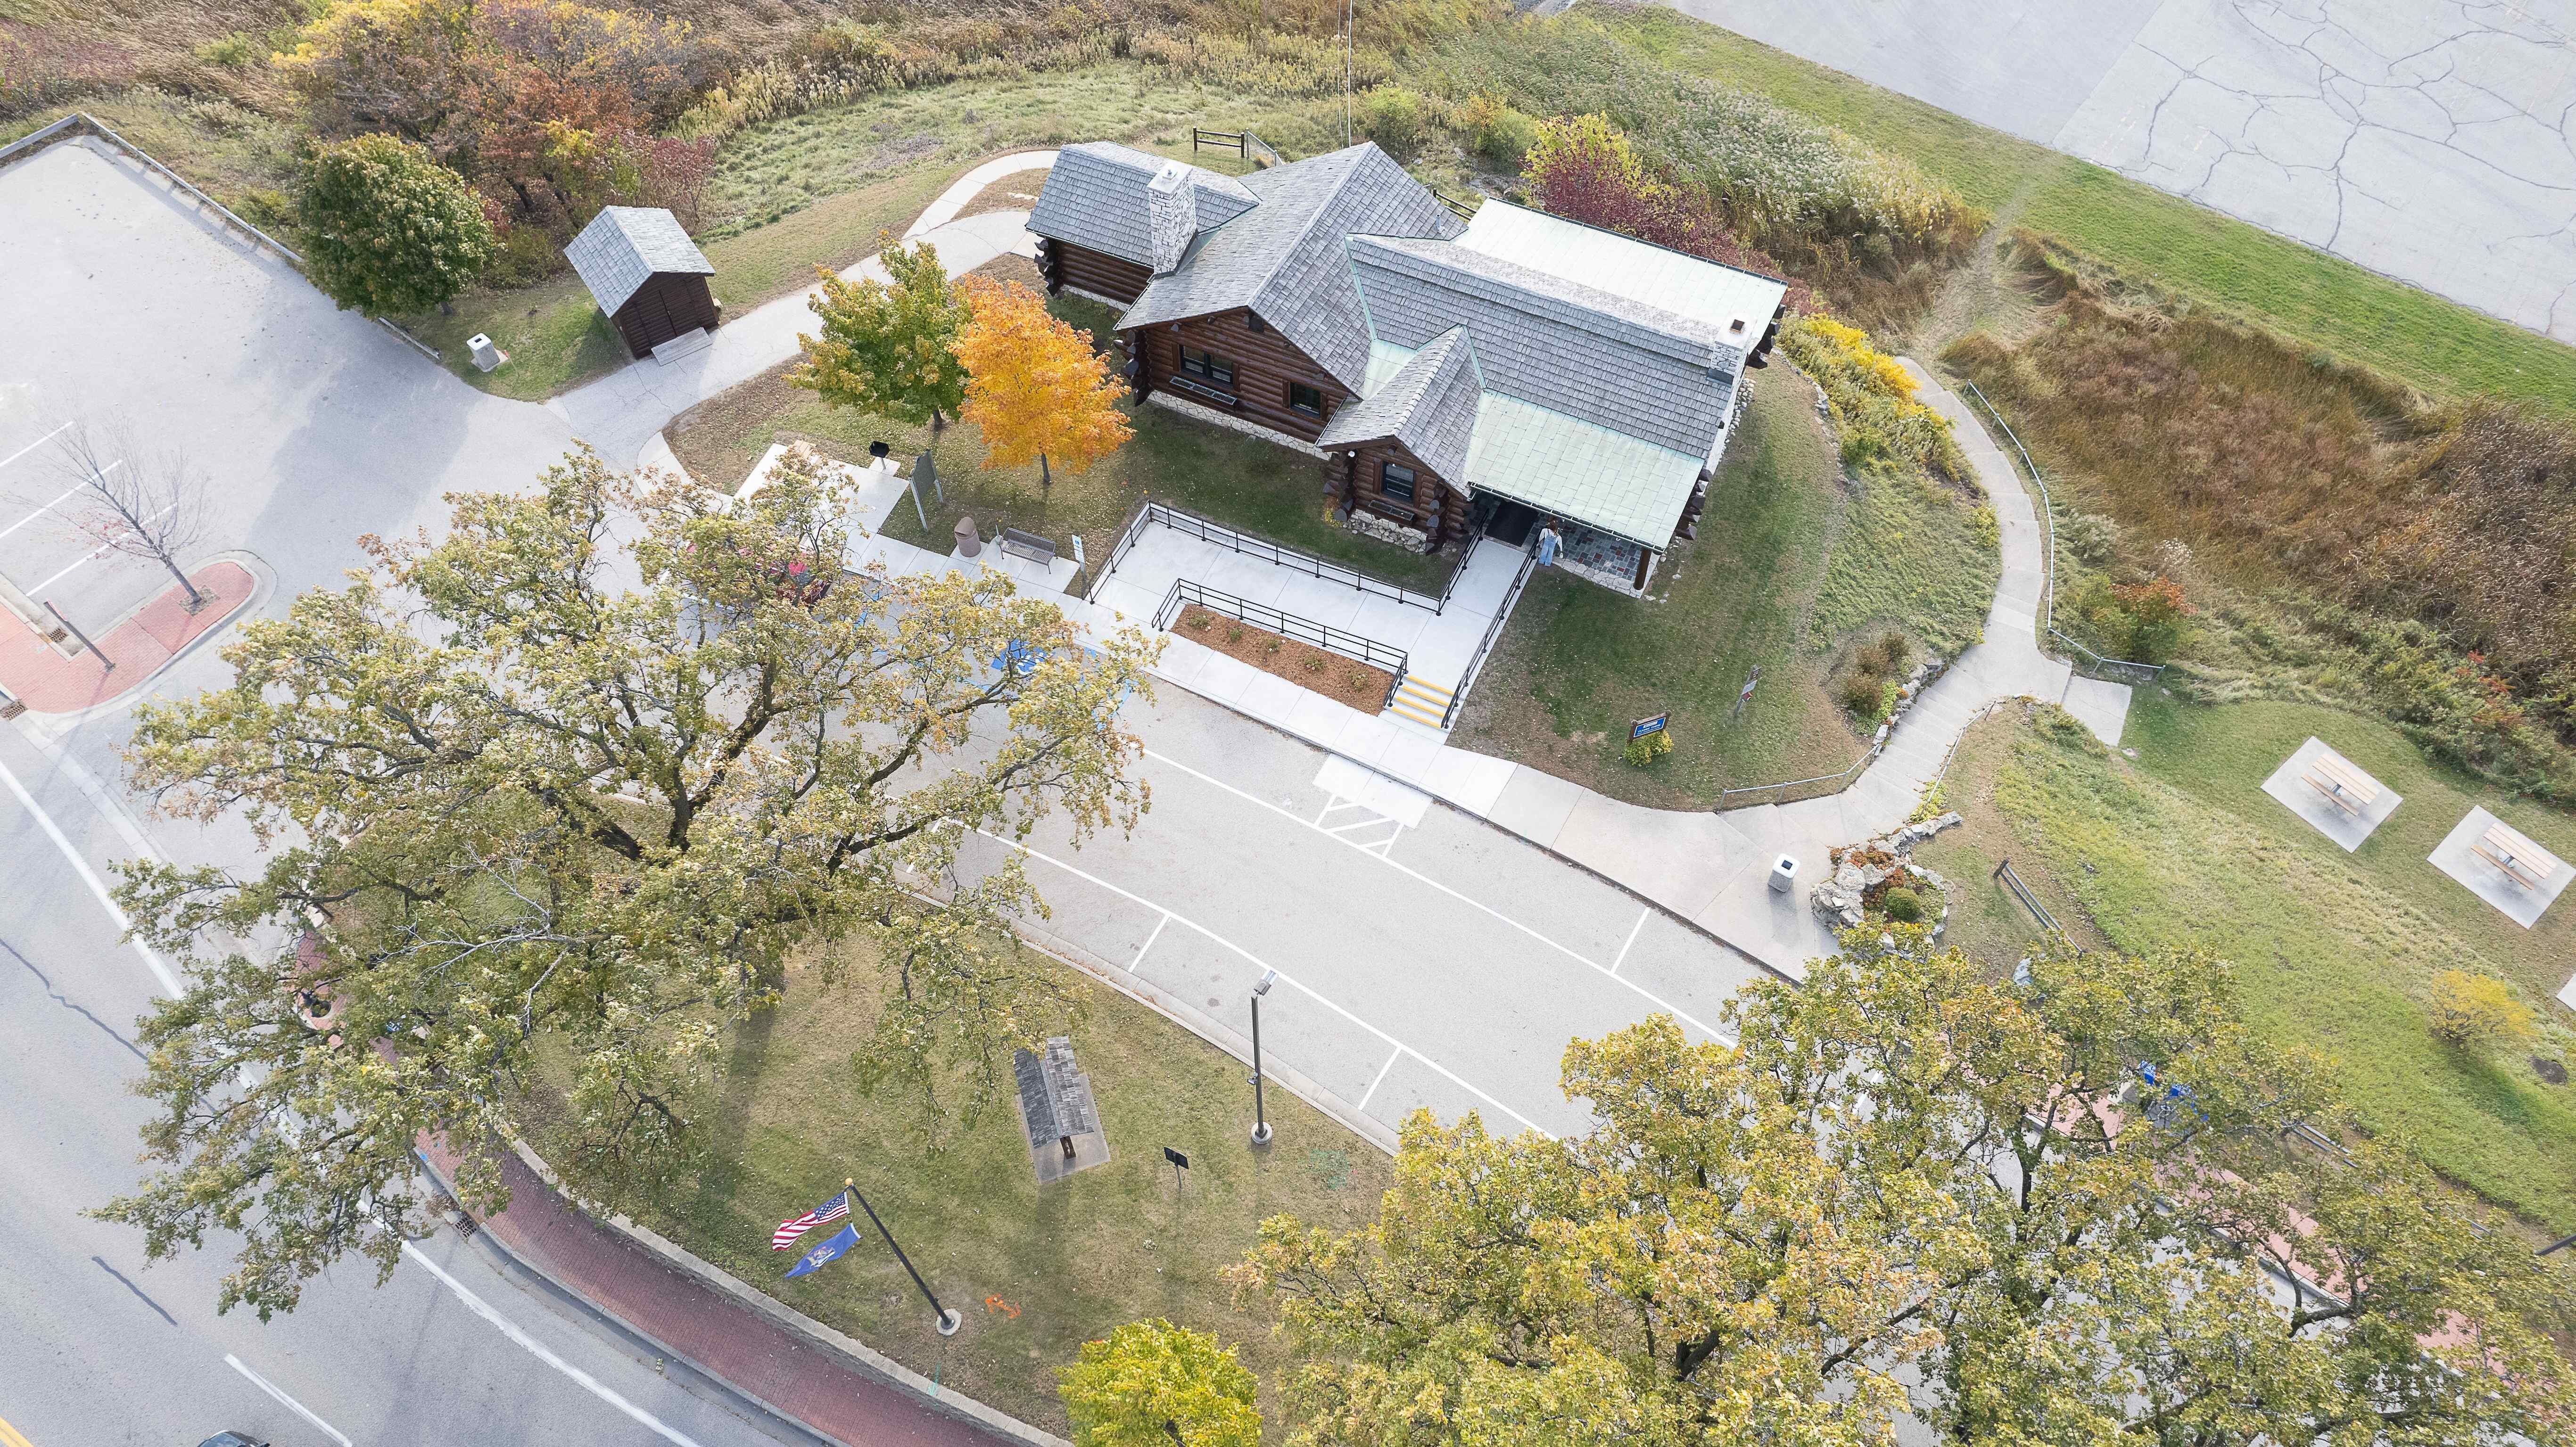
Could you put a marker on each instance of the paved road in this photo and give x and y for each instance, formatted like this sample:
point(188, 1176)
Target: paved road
point(101, 1349)
point(2431, 140)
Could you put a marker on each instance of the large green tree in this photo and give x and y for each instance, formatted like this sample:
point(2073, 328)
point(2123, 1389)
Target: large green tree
point(576, 781)
point(387, 229)
point(889, 346)
point(1149, 1383)
point(1917, 1189)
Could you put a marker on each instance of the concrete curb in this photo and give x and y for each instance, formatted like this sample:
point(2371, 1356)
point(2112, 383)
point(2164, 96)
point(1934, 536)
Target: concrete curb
point(263, 588)
point(856, 1353)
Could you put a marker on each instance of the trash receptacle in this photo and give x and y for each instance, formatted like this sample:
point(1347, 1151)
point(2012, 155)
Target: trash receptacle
point(486, 355)
point(968, 544)
point(1784, 874)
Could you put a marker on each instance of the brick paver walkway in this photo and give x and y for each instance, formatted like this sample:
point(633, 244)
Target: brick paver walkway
point(47, 682)
point(718, 1335)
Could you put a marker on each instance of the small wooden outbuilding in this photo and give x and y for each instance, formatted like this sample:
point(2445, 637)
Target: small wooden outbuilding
point(645, 273)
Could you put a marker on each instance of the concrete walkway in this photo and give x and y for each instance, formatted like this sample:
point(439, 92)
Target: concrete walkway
point(621, 413)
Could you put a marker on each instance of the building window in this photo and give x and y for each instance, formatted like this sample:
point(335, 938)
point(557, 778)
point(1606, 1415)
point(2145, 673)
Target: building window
point(1305, 399)
point(1203, 364)
point(1395, 480)
point(1254, 321)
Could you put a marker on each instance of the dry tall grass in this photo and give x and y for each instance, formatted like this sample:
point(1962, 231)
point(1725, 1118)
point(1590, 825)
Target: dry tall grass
point(2285, 469)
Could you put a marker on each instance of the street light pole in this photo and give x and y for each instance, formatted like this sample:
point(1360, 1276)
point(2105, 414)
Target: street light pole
point(1260, 1119)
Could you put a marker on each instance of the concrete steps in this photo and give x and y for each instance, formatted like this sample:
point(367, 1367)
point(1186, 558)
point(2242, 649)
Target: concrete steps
point(1419, 701)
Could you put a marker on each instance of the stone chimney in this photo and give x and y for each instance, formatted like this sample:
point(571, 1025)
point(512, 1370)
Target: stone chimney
point(1171, 214)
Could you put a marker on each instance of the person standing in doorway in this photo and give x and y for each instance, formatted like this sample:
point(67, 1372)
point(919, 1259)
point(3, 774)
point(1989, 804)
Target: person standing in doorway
point(1548, 543)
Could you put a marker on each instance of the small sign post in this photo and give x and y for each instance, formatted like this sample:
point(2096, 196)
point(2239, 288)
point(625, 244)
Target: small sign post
point(1744, 695)
point(1644, 726)
point(1180, 1164)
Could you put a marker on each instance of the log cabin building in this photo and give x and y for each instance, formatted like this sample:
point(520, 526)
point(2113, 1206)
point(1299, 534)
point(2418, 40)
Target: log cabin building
point(1455, 375)
point(648, 277)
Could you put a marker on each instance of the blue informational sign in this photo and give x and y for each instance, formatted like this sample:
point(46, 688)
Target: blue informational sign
point(1645, 726)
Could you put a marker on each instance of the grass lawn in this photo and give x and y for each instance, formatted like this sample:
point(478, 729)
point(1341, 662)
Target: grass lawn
point(1240, 481)
point(2333, 952)
point(1578, 663)
point(2442, 348)
point(1035, 1273)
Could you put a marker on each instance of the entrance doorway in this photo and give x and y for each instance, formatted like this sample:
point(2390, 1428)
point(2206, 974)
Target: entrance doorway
point(1511, 523)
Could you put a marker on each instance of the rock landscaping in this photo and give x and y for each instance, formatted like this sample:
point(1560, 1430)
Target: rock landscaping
point(1864, 873)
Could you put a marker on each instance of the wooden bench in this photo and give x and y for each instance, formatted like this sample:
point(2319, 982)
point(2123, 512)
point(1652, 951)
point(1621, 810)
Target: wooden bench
point(2520, 860)
point(2344, 786)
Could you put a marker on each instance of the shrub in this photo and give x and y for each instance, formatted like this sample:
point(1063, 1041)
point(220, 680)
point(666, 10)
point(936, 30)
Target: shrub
point(1395, 118)
point(2090, 537)
point(232, 51)
point(1641, 752)
point(1871, 399)
point(1865, 696)
point(1889, 654)
point(387, 229)
point(2469, 1009)
point(1901, 905)
point(1495, 131)
point(1583, 168)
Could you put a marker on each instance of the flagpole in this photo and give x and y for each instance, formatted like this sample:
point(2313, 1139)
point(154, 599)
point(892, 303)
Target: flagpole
point(949, 1321)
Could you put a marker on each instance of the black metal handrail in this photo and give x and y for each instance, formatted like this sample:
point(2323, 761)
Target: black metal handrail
point(2119, 670)
point(1493, 630)
point(2012, 880)
point(1391, 660)
point(1210, 531)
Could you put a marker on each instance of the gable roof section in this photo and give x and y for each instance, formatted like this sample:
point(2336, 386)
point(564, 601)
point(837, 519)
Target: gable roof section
point(1429, 405)
point(1598, 476)
point(623, 246)
point(1563, 346)
point(1094, 197)
point(1687, 286)
point(1285, 258)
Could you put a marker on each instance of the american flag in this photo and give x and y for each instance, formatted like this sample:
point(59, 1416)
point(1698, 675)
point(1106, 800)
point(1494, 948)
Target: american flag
point(787, 1232)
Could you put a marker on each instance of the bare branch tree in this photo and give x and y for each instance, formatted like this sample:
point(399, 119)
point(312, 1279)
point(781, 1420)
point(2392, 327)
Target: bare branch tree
point(148, 504)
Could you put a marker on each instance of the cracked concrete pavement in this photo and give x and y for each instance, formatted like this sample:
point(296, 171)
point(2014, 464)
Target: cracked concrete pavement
point(2430, 140)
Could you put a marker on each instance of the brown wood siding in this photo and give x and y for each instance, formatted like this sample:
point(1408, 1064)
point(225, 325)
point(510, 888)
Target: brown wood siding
point(1096, 272)
point(666, 305)
point(1437, 508)
point(1264, 364)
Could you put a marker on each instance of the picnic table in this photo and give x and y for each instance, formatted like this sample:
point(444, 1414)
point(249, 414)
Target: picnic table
point(2344, 786)
point(2520, 860)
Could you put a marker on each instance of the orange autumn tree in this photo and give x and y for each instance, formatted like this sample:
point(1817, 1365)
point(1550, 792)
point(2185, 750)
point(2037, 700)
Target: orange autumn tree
point(1034, 385)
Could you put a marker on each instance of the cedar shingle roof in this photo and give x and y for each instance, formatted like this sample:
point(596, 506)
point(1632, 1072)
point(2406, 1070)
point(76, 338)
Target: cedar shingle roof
point(1566, 347)
point(1094, 197)
point(1283, 258)
point(623, 246)
point(1429, 405)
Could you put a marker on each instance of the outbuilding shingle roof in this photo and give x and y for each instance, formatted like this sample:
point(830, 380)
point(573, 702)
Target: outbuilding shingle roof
point(623, 246)
point(1094, 197)
point(1284, 257)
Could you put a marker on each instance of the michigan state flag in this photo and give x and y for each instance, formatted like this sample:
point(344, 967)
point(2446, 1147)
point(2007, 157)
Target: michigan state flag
point(831, 1249)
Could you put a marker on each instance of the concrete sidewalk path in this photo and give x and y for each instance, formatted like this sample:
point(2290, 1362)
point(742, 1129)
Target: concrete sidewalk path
point(621, 413)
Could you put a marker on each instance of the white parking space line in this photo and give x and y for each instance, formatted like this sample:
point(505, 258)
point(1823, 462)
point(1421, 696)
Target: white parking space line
point(92, 556)
point(1381, 1079)
point(1649, 996)
point(1300, 986)
point(49, 507)
point(32, 446)
point(289, 1403)
point(1631, 941)
point(1149, 942)
point(160, 969)
point(543, 1353)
